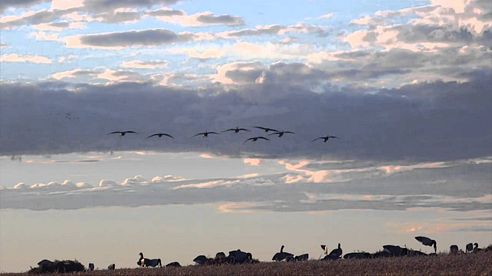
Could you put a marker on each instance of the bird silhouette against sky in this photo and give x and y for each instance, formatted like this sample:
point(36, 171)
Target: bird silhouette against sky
point(427, 241)
point(160, 134)
point(205, 134)
point(325, 138)
point(122, 133)
point(254, 139)
point(236, 130)
point(266, 129)
point(281, 133)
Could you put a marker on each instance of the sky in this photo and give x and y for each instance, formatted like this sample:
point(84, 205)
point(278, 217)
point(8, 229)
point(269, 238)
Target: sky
point(402, 84)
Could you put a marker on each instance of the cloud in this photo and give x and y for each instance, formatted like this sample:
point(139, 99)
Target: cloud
point(277, 30)
point(402, 191)
point(5, 4)
point(128, 39)
point(426, 121)
point(25, 59)
point(255, 162)
point(139, 64)
point(105, 5)
point(195, 20)
point(209, 18)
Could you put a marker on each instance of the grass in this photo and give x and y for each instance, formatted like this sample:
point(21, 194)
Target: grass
point(465, 264)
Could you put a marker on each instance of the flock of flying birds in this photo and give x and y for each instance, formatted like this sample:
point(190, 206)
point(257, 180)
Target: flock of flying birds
point(205, 134)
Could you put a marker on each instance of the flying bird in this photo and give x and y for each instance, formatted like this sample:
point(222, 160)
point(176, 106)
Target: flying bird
point(122, 133)
point(254, 139)
point(266, 129)
point(325, 138)
point(160, 134)
point(205, 134)
point(236, 130)
point(281, 133)
point(428, 242)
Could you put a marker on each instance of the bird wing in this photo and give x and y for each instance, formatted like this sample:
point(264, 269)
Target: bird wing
point(291, 132)
point(243, 129)
point(114, 132)
point(231, 129)
point(263, 128)
point(212, 132)
point(155, 134)
point(275, 133)
point(129, 131)
point(168, 135)
point(198, 134)
point(249, 139)
point(263, 138)
point(331, 136)
point(317, 139)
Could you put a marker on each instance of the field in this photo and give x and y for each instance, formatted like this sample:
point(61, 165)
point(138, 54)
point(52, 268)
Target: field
point(465, 264)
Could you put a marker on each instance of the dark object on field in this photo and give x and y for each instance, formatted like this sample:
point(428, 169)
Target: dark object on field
point(91, 267)
point(47, 266)
point(428, 242)
point(301, 258)
point(280, 256)
point(220, 258)
point(201, 260)
point(239, 257)
point(453, 249)
point(469, 248)
point(381, 254)
point(335, 254)
point(173, 264)
point(144, 262)
point(413, 253)
point(357, 255)
point(111, 267)
point(395, 250)
point(475, 248)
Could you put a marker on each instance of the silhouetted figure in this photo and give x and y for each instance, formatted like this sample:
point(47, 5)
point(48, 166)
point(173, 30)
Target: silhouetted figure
point(335, 254)
point(301, 258)
point(220, 258)
point(173, 264)
point(428, 242)
point(254, 139)
point(453, 249)
point(91, 267)
point(395, 250)
point(281, 133)
point(200, 260)
point(325, 138)
point(144, 262)
point(205, 134)
point(111, 267)
point(123, 133)
point(475, 248)
point(236, 130)
point(266, 129)
point(357, 255)
point(280, 256)
point(325, 249)
point(160, 134)
point(240, 257)
point(469, 248)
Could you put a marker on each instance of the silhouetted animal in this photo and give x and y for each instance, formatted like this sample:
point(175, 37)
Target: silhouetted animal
point(47, 266)
point(205, 134)
point(91, 267)
point(111, 267)
point(335, 254)
point(280, 256)
point(475, 248)
point(325, 249)
point(453, 249)
point(173, 264)
point(220, 258)
point(236, 130)
point(144, 262)
point(413, 253)
point(122, 133)
point(239, 257)
point(160, 134)
point(469, 248)
point(200, 259)
point(357, 255)
point(266, 129)
point(301, 258)
point(281, 133)
point(325, 138)
point(254, 139)
point(395, 250)
point(381, 254)
point(428, 242)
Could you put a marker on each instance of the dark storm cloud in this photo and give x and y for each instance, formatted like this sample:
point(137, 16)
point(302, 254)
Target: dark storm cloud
point(427, 121)
point(133, 38)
